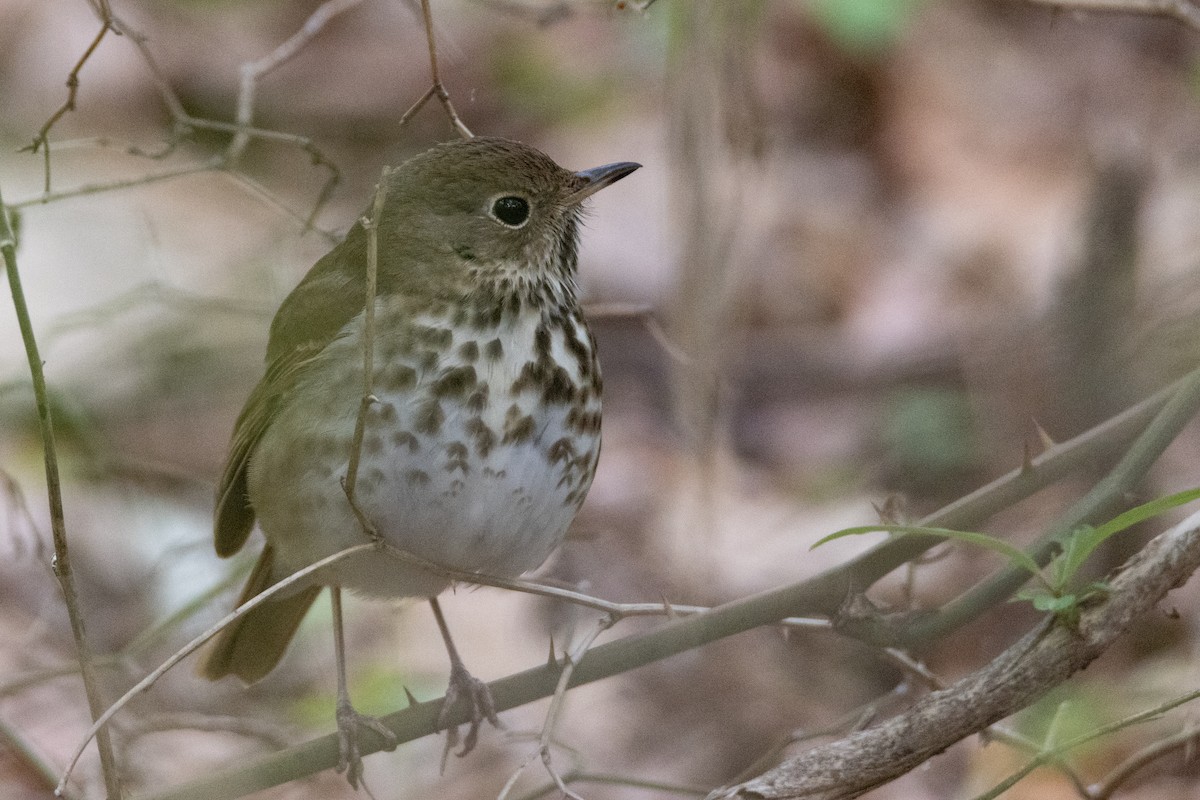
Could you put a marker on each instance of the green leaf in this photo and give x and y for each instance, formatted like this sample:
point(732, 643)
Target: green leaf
point(1084, 540)
point(979, 539)
point(1054, 605)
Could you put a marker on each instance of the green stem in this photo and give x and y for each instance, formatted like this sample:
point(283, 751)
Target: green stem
point(61, 564)
point(1104, 500)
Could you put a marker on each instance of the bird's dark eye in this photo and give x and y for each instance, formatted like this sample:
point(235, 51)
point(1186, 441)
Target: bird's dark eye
point(511, 211)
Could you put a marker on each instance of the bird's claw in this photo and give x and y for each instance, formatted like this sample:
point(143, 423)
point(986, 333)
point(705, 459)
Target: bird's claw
point(350, 724)
point(465, 686)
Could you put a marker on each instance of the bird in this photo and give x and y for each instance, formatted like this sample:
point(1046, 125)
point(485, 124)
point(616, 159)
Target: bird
point(481, 434)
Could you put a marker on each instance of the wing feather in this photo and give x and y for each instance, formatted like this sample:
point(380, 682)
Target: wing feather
point(329, 296)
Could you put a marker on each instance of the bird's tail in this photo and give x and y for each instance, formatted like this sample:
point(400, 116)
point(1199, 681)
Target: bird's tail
point(254, 644)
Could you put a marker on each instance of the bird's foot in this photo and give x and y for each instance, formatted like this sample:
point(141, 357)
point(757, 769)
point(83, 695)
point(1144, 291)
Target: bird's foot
point(465, 686)
point(350, 725)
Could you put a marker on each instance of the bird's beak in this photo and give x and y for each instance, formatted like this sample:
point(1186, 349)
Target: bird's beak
point(589, 181)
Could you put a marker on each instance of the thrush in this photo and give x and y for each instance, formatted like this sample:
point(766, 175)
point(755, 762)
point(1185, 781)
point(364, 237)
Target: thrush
point(482, 436)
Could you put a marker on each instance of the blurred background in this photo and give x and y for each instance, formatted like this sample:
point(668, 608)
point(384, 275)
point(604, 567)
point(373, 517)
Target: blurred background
point(876, 245)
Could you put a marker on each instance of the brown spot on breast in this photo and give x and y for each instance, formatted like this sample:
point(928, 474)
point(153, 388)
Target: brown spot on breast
point(478, 400)
point(561, 450)
point(429, 417)
point(488, 316)
point(386, 412)
point(518, 427)
point(429, 360)
point(541, 343)
point(406, 439)
point(370, 479)
point(583, 421)
point(557, 387)
point(395, 346)
point(331, 447)
point(468, 351)
point(439, 338)
point(454, 382)
point(527, 378)
point(483, 436)
point(494, 350)
point(396, 377)
point(416, 477)
point(456, 457)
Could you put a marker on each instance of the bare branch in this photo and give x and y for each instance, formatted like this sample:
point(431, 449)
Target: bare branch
point(437, 89)
point(253, 71)
point(42, 138)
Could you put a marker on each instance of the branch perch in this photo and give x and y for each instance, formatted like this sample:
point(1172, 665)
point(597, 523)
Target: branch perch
point(1039, 661)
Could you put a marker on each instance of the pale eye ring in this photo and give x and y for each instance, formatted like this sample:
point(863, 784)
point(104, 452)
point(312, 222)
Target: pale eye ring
point(510, 210)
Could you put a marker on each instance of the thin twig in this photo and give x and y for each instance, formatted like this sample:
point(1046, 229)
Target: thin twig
point(556, 701)
point(98, 728)
point(580, 776)
point(184, 123)
point(437, 89)
point(124, 183)
point(546, 737)
point(41, 139)
point(29, 754)
point(252, 72)
point(62, 562)
point(1056, 753)
point(268, 197)
point(371, 226)
point(1126, 769)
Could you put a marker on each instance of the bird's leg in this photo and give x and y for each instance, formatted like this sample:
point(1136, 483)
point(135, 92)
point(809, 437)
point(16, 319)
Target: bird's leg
point(463, 685)
point(349, 721)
